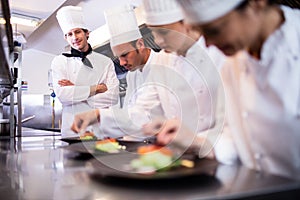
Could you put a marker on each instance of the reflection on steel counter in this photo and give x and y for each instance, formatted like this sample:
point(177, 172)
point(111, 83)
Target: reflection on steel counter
point(39, 117)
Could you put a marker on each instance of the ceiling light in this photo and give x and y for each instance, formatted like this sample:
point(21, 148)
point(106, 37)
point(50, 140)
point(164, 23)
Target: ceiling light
point(22, 20)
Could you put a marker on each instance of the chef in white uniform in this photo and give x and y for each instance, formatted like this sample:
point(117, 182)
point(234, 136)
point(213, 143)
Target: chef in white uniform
point(261, 78)
point(82, 79)
point(189, 45)
point(128, 45)
point(166, 85)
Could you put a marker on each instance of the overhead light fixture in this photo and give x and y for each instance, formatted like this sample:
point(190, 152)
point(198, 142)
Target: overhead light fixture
point(22, 20)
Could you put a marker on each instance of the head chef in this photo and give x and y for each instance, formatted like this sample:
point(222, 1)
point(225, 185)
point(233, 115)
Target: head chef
point(71, 21)
point(82, 78)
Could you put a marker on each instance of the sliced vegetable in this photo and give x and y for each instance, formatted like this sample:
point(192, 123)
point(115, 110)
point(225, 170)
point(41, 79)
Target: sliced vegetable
point(108, 145)
point(88, 136)
point(154, 148)
point(154, 157)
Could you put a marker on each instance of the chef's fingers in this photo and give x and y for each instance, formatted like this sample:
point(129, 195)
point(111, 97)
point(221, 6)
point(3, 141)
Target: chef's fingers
point(153, 127)
point(167, 133)
point(76, 125)
point(65, 82)
point(83, 127)
point(100, 88)
point(164, 139)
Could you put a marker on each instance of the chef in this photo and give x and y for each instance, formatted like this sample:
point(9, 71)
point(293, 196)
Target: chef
point(159, 84)
point(128, 45)
point(263, 40)
point(82, 79)
point(190, 46)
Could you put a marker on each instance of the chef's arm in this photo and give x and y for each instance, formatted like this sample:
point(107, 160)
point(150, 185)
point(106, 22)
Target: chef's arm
point(107, 93)
point(213, 143)
point(63, 87)
point(96, 89)
point(216, 143)
point(131, 118)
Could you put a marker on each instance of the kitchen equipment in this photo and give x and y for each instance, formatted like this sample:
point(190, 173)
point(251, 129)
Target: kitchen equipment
point(27, 118)
point(10, 80)
point(5, 127)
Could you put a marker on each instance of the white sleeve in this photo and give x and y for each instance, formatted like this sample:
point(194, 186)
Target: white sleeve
point(129, 120)
point(66, 94)
point(224, 148)
point(110, 97)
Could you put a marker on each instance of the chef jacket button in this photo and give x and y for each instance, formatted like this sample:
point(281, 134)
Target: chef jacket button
point(245, 114)
point(295, 57)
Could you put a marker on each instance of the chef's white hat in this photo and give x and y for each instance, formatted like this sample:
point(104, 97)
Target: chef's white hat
point(161, 12)
point(205, 11)
point(70, 17)
point(122, 25)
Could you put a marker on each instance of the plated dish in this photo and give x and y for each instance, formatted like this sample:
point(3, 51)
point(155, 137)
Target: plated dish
point(87, 136)
point(154, 158)
point(117, 166)
point(102, 147)
point(72, 140)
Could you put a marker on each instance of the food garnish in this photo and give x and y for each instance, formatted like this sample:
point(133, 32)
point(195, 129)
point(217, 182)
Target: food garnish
point(154, 158)
point(109, 145)
point(88, 136)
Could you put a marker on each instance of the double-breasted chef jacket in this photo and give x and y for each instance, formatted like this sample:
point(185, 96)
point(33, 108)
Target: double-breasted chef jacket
point(75, 99)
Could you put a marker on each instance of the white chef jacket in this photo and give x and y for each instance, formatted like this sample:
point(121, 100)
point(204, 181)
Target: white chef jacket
point(116, 122)
point(264, 101)
point(75, 99)
point(213, 52)
point(169, 86)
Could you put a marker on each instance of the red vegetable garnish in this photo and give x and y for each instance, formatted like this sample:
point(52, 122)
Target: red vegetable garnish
point(152, 148)
point(106, 141)
point(88, 134)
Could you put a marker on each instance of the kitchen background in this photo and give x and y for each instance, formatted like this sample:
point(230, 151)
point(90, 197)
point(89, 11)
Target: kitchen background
point(41, 42)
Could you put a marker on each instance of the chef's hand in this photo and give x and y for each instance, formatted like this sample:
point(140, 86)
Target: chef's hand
point(65, 82)
point(173, 132)
point(84, 119)
point(100, 88)
point(167, 131)
point(96, 89)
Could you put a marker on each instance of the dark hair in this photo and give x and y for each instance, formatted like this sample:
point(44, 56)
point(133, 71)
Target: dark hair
point(133, 43)
point(84, 30)
point(242, 5)
point(245, 3)
point(148, 39)
point(290, 3)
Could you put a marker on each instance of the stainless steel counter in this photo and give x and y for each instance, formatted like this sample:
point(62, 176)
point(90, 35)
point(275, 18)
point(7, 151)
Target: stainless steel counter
point(38, 166)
